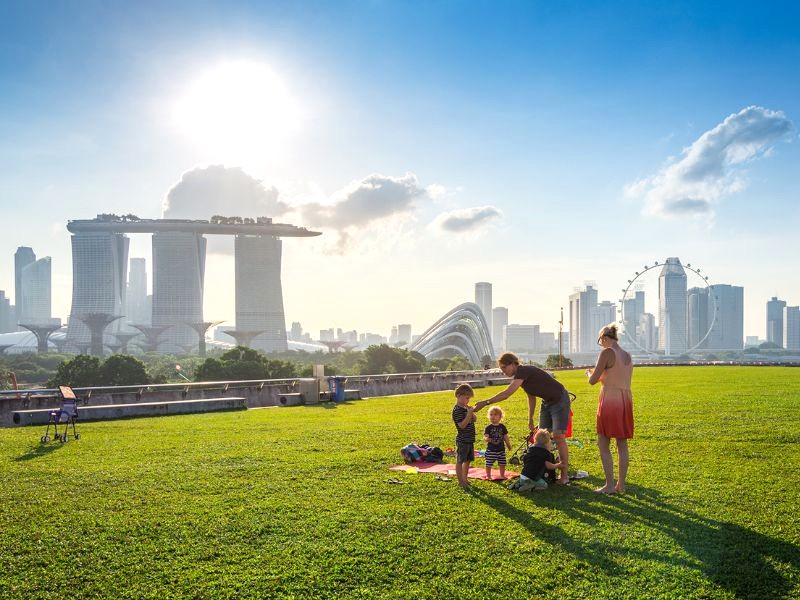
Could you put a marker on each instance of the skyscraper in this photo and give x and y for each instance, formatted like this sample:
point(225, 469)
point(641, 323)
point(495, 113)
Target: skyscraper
point(179, 259)
point(791, 327)
point(36, 292)
point(5, 314)
point(499, 321)
point(672, 325)
point(99, 265)
point(583, 334)
point(727, 332)
point(775, 320)
point(601, 315)
point(483, 298)
point(521, 338)
point(700, 310)
point(137, 307)
point(23, 257)
point(632, 309)
point(404, 334)
point(259, 295)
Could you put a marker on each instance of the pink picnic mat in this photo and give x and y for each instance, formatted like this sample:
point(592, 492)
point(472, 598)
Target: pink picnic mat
point(450, 469)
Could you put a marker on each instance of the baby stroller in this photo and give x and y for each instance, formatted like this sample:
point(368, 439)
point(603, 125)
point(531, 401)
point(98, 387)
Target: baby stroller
point(67, 415)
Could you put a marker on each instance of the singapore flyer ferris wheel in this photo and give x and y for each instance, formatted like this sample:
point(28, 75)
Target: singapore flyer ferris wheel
point(685, 321)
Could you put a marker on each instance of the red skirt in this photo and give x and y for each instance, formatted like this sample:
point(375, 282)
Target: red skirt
point(615, 413)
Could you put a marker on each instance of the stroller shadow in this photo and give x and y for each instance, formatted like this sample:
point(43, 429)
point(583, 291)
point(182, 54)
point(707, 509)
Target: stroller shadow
point(737, 559)
point(39, 451)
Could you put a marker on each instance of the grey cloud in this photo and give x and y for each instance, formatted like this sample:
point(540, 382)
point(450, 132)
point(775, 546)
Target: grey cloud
point(219, 190)
point(712, 166)
point(467, 219)
point(361, 202)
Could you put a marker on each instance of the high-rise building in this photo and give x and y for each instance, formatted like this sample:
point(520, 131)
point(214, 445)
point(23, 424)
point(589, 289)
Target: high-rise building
point(791, 327)
point(23, 257)
point(36, 292)
point(546, 341)
point(601, 315)
point(296, 332)
point(137, 305)
point(5, 314)
point(632, 309)
point(583, 334)
point(520, 338)
point(775, 320)
point(259, 295)
point(326, 335)
point(179, 260)
point(99, 265)
point(699, 310)
point(483, 298)
point(673, 336)
point(648, 332)
point(499, 320)
point(404, 334)
point(727, 333)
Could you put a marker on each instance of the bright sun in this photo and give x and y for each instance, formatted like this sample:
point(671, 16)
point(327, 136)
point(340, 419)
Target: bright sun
point(237, 111)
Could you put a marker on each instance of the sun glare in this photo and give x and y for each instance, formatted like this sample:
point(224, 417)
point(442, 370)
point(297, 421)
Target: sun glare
point(237, 111)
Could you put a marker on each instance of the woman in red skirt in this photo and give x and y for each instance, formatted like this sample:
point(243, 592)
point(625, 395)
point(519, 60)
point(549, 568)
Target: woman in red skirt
point(614, 370)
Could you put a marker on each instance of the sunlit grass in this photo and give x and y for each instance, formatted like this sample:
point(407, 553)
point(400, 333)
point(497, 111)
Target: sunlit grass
point(293, 502)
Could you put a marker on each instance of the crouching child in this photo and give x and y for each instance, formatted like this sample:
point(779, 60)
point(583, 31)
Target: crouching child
point(539, 464)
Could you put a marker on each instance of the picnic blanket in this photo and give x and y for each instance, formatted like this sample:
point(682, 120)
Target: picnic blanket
point(449, 469)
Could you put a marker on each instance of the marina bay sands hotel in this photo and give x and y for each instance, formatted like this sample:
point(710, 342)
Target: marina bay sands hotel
point(100, 271)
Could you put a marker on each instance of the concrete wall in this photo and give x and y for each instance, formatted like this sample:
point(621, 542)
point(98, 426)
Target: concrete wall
point(257, 393)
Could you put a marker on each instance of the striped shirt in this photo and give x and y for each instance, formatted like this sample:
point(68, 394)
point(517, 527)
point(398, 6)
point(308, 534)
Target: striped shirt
point(466, 435)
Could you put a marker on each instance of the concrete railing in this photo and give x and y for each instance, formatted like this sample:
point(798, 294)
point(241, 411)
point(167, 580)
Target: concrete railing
point(258, 393)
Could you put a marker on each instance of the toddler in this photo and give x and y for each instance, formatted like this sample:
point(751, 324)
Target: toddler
point(497, 440)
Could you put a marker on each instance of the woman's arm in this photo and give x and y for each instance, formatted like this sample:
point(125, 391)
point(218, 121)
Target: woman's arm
point(500, 396)
point(604, 360)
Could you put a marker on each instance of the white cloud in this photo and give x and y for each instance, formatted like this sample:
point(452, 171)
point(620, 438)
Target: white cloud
point(219, 190)
point(713, 166)
point(466, 220)
point(363, 201)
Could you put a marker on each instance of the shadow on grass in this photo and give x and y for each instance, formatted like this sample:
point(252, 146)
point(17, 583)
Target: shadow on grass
point(39, 450)
point(737, 559)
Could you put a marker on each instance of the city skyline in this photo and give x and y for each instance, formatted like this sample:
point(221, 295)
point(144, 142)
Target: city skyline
point(531, 146)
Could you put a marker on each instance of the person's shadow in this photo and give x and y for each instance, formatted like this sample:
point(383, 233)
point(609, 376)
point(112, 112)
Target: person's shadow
point(38, 451)
point(742, 561)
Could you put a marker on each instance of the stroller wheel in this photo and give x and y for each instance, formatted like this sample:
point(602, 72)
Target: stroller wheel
point(514, 460)
point(63, 438)
point(77, 436)
point(45, 439)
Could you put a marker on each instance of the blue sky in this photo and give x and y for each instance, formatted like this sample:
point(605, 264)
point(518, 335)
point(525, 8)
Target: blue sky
point(571, 141)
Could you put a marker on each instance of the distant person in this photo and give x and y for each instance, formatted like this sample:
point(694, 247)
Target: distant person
point(614, 370)
point(496, 436)
point(464, 418)
point(539, 464)
point(554, 414)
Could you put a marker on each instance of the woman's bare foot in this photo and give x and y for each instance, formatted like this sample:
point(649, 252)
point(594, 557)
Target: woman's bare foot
point(464, 485)
point(563, 480)
point(619, 489)
point(605, 490)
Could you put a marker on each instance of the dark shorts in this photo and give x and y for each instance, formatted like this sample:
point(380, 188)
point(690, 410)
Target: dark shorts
point(465, 452)
point(554, 416)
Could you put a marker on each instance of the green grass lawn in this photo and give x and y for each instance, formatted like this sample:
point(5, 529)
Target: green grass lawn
point(294, 502)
